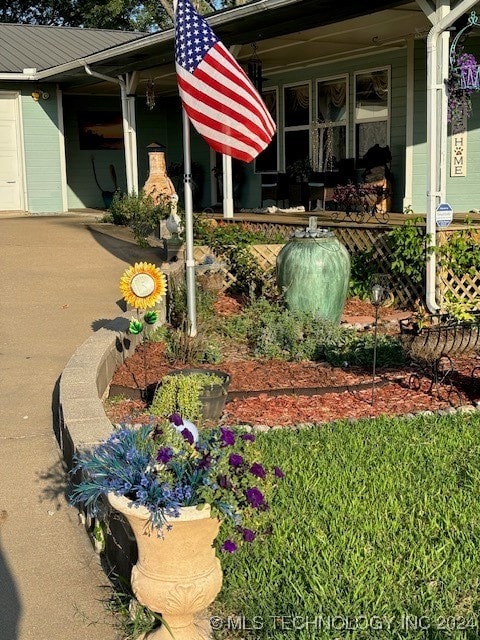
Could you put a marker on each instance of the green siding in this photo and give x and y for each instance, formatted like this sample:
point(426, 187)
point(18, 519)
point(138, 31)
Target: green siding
point(42, 152)
point(463, 193)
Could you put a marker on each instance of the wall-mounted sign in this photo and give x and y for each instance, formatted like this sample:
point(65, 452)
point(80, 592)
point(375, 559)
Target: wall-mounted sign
point(443, 215)
point(458, 154)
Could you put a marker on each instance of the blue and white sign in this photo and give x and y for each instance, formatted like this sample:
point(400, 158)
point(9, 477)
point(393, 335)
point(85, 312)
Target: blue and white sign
point(444, 215)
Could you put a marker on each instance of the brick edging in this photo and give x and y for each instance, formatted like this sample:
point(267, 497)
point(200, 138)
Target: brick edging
point(82, 421)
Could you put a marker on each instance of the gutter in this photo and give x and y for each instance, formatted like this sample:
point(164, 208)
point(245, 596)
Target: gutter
point(434, 179)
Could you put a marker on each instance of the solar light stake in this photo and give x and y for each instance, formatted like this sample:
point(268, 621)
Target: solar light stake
point(376, 299)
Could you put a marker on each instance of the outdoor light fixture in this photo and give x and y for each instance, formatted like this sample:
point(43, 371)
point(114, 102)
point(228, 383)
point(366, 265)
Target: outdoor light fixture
point(377, 295)
point(254, 69)
point(376, 298)
point(150, 94)
point(40, 93)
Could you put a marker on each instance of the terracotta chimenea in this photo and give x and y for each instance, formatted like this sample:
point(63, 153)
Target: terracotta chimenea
point(158, 184)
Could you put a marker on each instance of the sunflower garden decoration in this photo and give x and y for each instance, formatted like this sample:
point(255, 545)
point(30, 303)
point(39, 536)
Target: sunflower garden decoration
point(143, 285)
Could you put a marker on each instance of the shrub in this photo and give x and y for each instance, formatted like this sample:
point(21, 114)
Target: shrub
point(139, 212)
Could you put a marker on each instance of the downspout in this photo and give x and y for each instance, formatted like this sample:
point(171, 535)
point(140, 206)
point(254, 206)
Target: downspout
point(436, 164)
point(126, 123)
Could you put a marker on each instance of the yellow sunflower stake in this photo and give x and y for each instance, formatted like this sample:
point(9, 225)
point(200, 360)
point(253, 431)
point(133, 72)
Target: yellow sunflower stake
point(143, 286)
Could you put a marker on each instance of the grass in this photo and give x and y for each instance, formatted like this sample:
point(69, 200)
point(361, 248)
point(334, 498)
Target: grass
point(377, 534)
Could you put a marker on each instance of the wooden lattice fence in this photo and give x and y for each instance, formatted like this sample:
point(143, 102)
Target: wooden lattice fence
point(360, 239)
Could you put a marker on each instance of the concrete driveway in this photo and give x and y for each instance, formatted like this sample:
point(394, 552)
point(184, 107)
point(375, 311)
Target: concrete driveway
point(59, 279)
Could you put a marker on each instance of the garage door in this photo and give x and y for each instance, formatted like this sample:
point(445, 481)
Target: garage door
point(10, 174)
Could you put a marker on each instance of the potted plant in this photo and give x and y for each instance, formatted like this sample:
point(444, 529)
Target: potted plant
point(197, 394)
point(429, 337)
point(174, 486)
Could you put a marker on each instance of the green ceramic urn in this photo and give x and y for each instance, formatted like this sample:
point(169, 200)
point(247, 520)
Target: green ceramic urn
point(313, 274)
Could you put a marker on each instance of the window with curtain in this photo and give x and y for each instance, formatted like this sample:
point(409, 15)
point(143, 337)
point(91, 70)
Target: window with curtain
point(330, 129)
point(297, 117)
point(372, 110)
point(267, 161)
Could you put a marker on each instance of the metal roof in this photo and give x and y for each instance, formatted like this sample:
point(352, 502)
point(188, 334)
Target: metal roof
point(44, 47)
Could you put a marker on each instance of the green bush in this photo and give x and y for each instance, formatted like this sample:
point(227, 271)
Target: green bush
point(273, 331)
point(138, 212)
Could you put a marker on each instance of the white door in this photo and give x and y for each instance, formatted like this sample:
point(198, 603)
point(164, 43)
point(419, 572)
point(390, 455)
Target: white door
point(10, 174)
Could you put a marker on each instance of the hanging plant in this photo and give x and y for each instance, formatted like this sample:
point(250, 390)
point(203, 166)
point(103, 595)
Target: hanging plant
point(462, 81)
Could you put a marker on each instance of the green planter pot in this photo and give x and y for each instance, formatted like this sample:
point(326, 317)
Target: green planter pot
point(313, 274)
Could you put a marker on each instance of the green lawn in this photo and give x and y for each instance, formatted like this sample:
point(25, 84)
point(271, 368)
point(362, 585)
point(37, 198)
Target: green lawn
point(376, 535)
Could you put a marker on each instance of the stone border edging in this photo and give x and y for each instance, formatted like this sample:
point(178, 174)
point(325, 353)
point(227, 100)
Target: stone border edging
point(83, 383)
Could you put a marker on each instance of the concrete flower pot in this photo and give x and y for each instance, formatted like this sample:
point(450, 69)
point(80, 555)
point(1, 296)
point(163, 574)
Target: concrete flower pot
point(177, 573)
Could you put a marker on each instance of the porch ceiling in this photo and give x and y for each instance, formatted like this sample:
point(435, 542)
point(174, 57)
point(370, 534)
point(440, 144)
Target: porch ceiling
point(300, 34)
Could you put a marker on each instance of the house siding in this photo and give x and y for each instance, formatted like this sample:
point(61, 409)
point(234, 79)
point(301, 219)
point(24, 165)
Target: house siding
point(42, 152)
point(41, 148)
point(462, 193)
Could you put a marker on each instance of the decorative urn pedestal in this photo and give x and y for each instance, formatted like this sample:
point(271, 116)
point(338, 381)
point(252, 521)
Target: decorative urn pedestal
point(177, 573)
point(313, 271)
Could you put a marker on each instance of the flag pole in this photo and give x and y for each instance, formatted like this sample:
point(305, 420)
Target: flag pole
point(189, 260)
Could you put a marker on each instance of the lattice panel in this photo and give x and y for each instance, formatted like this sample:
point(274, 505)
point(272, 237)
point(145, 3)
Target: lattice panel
point(466, 288)
point(266, 254)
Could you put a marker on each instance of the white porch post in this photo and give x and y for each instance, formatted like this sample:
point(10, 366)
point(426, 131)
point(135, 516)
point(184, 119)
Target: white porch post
point(127, 87)
point(442, 17)
point(227, 187)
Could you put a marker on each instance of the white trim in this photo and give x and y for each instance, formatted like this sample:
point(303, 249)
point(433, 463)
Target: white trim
point(356, 120)
point(409, 128)
point(298, 127)
point(343, 123)
point(22, 152)
point(277, 122)
point(16, 96)
point(62, 151)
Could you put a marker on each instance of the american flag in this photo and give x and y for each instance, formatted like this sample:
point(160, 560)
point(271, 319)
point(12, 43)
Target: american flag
point(217, 95)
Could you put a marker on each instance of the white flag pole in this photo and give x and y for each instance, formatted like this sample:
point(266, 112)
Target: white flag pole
point(189, 260)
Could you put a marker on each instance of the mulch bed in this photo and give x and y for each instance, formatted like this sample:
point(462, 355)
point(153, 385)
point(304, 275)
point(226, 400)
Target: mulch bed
point(277, 393)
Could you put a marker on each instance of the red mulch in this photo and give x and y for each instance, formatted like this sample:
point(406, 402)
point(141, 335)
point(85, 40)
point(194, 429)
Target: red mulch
point(314, 392)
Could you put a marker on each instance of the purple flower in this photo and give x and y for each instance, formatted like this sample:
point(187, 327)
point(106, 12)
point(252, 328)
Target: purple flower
point(254, 497)
point(278, 472)
point(164, 455)
point(187, 435)
point(248, 535)
point(235, 460)
point(248, 437)
point(229, 546)
point(176, 418)
point(227, 437)
point(224, 482)
point(205, 462)
point(257, 470)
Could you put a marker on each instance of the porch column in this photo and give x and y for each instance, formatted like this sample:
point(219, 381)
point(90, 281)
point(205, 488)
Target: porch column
point(128, 85)
point(441, 16)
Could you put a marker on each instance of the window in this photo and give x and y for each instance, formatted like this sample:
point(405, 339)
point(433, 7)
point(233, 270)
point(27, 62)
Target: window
point(267, 161)
point(297, 123)
point(330, 136)
point(372, 110)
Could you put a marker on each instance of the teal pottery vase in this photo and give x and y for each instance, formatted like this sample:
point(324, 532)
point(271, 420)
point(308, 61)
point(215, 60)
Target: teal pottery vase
point(313, 273)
